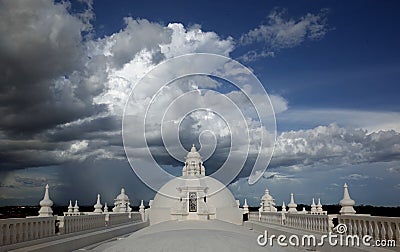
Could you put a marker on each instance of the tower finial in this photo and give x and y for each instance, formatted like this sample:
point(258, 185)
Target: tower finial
point(292, 206)
point(245, 207)
point(45, 204)
point(70, 208)
point(283, 207)
point(319, 206)
point(347, 203)
point(76, 207)
point(98, 205)
point(313, 206)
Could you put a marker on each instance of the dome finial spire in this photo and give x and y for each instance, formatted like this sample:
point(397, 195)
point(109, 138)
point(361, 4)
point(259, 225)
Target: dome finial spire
point(45, 204)
point(347, 203)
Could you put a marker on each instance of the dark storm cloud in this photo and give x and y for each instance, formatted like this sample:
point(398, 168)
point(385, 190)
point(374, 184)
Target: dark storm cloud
point(46, 83)
point(89, 129)
point(40, 47)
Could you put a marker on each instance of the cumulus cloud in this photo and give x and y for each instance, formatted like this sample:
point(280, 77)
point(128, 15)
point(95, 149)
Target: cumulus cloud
point(280, 33)
point(62, 94)
point(335, 145)
point(373, 121)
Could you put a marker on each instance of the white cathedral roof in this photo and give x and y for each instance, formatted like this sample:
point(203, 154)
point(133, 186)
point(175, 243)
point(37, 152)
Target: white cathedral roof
point(213, 199)
point(219, 194)
point(190, 236)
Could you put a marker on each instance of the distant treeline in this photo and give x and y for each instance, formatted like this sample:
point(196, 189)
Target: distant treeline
point(23, 211)
point(362, 209)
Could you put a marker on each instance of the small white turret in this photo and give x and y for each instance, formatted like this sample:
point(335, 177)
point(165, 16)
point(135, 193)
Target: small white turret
point(105, 208)
point(98, 205)
point(141, 210)
point(76, 207)
point(267, 202)
point(319, 206)
point(45, 204)
point(245, 207)
point(121, 203)
point(70, 207)
point(283, 207)
point(304, 211)
point(292, 206)
point(347, 203)
point(313, 207)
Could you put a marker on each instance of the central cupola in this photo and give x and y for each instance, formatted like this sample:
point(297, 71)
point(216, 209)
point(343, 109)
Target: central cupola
point(194, 196)
point(193, 164)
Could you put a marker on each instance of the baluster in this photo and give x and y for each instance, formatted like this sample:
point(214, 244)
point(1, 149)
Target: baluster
point(12, 233)
point(40, 229)
point(365, 229)
point(360, 231)
point(17, 232)
point(350, 227)
point(2, 234)
point(390, 231)
point(383, 232)
point(319, 224)
point(7, 235)
point(371, 229)
point(377, 231)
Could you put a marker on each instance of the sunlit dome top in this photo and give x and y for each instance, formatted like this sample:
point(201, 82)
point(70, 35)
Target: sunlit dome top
point(193, 153)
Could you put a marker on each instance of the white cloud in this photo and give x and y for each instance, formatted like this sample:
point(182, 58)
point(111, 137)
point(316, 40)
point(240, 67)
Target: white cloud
point(335, 145)
point(354, 176)
point(373, 121)
point(254, 55)
point(138, 35)
point(194, 40)
point(282, 33)
point(394, 169)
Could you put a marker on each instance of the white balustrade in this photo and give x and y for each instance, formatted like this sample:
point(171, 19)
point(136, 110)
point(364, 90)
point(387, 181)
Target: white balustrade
point(16, 230)
point(118, 218)
point(311, 222)
point(254, 216)
point(380, 228)
point(272, 217)
point(135, 217)
point(77, 223)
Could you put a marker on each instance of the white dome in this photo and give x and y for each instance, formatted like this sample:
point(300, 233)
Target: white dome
point(194, 196)
point(122, 195)
point(217, 193)
point(220, 202)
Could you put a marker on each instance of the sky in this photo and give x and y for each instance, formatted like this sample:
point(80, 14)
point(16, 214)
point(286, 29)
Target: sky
point(331, 69)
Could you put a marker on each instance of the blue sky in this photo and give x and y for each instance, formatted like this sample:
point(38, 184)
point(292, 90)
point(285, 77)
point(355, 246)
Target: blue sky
point(360, 48)
point(332, 69)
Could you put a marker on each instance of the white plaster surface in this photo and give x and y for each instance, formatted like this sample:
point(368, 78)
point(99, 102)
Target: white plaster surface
point(192, 236)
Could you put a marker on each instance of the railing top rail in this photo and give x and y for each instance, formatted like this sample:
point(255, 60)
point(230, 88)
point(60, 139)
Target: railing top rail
point(369, 217)
point(22, 220)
